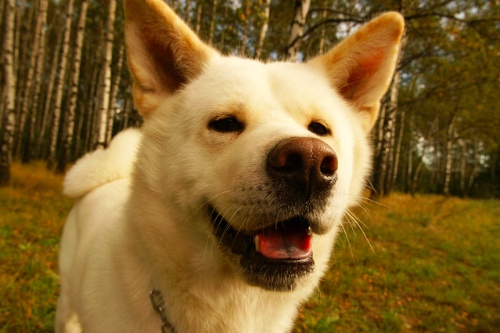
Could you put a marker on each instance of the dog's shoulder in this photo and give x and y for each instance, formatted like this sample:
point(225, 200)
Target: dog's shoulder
point(103, 166)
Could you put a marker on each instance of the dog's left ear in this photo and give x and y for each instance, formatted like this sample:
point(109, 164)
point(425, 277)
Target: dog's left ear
point(163, 52)
point(361, 67)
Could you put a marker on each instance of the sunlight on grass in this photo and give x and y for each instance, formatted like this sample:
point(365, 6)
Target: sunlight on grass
point(32, 213)
point(433, 267)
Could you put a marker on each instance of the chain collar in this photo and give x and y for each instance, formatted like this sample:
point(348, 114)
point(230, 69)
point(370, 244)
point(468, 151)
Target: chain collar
point(158, 303)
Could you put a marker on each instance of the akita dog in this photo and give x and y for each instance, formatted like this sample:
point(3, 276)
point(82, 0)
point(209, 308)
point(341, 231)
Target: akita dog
point(220, 214)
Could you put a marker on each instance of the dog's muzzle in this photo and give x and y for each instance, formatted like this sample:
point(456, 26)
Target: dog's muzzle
point(302, 172)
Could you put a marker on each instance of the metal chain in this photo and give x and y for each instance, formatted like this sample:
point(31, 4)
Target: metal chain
point(159, 305)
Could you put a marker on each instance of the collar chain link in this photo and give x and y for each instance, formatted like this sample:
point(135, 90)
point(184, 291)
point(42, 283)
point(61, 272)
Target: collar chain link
point(158, 303)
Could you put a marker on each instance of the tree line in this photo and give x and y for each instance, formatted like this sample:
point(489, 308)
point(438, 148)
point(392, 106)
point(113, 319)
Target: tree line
point(67, 91)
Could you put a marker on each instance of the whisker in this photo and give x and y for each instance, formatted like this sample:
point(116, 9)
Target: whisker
point(348, 242)
point(359, 223)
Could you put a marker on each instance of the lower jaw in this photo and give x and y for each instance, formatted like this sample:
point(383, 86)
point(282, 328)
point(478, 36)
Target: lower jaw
point(276, 275)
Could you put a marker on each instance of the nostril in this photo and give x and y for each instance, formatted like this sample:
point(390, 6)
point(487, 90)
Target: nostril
point(329, 165)
point(293, 163)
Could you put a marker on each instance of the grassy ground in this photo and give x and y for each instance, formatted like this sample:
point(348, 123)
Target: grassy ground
point(429, 265)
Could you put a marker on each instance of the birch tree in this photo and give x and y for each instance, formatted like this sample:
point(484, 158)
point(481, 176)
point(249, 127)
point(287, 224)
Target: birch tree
point(40, 60)
point(74, 79)
point(61, 72)
point(448, 156)
point(114, 92)
point(36, 52)
point(9, 94)
point(263, 29)
point(212, 22)
point(297, 29)
point(106, 85)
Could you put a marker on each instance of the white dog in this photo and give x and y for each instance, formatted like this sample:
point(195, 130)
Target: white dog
point(220, 215)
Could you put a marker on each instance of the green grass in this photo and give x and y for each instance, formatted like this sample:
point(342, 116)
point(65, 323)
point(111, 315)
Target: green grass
point(32, 213)
point(434, 267)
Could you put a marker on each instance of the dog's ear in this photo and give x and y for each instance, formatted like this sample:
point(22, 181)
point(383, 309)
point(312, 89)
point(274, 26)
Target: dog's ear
point(361, 67)
point(163, 53)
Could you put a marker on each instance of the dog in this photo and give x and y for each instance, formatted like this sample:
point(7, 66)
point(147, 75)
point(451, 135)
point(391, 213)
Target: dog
point(220, 214)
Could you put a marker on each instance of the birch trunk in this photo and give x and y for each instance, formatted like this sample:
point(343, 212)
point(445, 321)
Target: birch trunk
point(25, 105)
point(30, 151)
point(9, 94)
point(397, 154)
point(212, 22)
point(448, 156)
point(381, 165)
point(17, 49)
point(384, 160)
point(409, 169)
point(187, 17)
point(47, 109)
point(474, 171)
point(106, 86)
point(393, 161)
point(114, 92)
point(297, 29)
point(323, 28)
point(21, 56)
point(61, 72)
point(199, 10)
point(74, 78)
point(263, 29)
point(246, 28)
point(463, 165)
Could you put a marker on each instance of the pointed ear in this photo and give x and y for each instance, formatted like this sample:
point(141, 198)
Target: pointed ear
point(361, 67)
point(163, 53)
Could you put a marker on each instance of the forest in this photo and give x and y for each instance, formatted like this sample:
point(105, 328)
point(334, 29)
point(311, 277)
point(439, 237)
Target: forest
point(66, 89)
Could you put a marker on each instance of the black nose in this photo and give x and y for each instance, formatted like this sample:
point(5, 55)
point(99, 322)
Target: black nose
point(308, 165)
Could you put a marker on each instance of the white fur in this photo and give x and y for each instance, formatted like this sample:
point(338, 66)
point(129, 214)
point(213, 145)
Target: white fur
point(140, 222)
point(103, 166)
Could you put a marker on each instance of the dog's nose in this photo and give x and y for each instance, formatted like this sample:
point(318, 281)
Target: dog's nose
point(306, 164)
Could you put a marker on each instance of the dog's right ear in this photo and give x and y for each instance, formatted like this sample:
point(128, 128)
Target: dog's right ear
point(163, 53)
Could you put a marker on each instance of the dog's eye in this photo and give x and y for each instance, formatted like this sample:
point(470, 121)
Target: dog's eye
point(318, 128)
point(226, 124)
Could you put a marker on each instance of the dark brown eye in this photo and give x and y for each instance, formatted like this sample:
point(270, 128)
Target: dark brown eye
point(226, 124)
point(318, 128)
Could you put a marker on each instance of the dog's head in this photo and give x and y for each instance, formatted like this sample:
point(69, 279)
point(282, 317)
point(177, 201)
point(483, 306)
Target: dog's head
point(267, 156)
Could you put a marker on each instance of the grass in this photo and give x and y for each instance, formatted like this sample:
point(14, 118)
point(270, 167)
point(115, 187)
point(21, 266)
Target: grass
point(434, 266)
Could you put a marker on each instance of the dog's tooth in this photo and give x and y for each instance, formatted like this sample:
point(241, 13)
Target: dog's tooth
point(256, 242)
point(309, 231)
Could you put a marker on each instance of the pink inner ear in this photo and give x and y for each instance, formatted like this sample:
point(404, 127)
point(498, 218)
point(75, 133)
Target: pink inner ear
point(361, 71)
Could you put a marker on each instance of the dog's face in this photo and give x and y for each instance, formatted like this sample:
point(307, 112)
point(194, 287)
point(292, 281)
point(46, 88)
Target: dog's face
point(267, 157)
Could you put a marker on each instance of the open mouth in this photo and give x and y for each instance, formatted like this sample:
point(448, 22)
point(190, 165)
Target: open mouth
point(273, 257)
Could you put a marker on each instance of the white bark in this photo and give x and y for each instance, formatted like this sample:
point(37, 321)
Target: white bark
point(199, 10)
point(35, 53)
point(9, 94)
point(114, 92)
point(106, 86)
point(448, 156)
point(263, 29)
point(37, 80)
point(212, 22)
point(61, 72)
point(75, 75)
point(297, 29)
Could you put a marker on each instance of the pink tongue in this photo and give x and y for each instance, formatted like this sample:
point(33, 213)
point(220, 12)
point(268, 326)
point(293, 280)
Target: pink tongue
point(294, 243)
